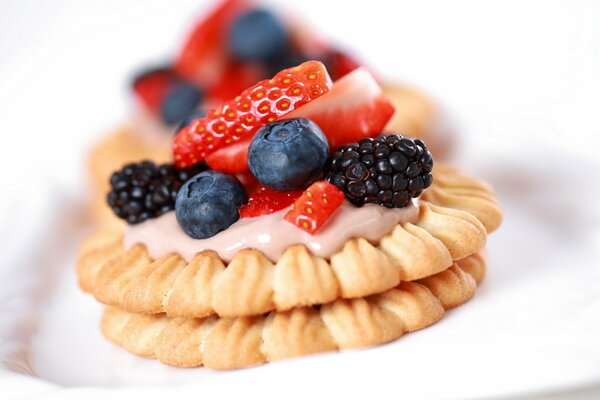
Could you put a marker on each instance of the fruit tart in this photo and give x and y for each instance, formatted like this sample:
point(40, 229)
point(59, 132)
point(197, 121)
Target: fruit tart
point(337, 237)
point(235, 46)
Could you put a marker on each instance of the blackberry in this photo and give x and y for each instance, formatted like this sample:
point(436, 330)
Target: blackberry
point(388, 170)
point(144, 190)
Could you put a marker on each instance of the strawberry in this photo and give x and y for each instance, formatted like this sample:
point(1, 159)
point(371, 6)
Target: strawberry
point(248, 181)
point(266, 201)
point(340, 64)
point(311, 210)
point(256, 106)
point(203, 57)
point(354, 108)
point(235, 78)
point(231, 159)
point(152, 86)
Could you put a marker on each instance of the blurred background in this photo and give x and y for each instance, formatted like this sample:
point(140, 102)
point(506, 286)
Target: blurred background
point(518, 80)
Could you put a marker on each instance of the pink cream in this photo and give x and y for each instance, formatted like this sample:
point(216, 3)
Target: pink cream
point(271, 234)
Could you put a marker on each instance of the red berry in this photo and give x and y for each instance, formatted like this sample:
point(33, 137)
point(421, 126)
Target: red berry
point(315, 206)
point(235, 78)
point(248, 181)
point(152, 86)
point(231, 159)
point(256, 106)
point(354, 108)
point(203, 57)
point(340, 64)
point(266, 201)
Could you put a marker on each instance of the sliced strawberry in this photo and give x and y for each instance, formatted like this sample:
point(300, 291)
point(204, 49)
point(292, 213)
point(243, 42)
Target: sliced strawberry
point(340, 64)
point(152, 86)
point(315, 206)
point(232, 159)
point(248, 181)
point(256, 106)
point(235, 78)
point(266, 201)
point(354, 108)
point(203, 57)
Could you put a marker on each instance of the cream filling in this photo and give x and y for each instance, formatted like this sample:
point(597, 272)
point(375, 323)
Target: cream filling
point(271, 234)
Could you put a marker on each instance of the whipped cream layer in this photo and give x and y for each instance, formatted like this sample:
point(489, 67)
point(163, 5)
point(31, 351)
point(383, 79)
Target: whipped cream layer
point(271, 234)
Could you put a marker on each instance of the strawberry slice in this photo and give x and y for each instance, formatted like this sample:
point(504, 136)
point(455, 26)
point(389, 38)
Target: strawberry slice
point(248, 181)
point(266, 201)
point(340, 64)
point(232, 159)
point(256, 106)
point(354, 108)
point(203, 57)
point(315, 206)
point(235, 78)
point(152, 86)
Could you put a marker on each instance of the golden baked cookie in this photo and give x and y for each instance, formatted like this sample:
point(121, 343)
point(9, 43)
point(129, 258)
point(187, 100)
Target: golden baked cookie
point(227, 343)
point(455, 215)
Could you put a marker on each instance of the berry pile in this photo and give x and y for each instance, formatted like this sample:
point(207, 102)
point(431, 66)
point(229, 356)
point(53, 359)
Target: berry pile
point(389, 170)
point(276, 137)
point(235, 46)
point(144, 190)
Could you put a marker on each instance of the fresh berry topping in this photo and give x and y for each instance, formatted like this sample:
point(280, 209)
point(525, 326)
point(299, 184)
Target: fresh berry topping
point(144, 190)
point(257, 35)
point(266, 201)
point(209, 203)
point(355, 108)
point(180, 100)
point(340, 64)
point(203, 57)
point(232, 159)
point(198, 113)
point(288, 154)
point(388, 170)
point(315, 206)
point(152, 86)
point(241, 117)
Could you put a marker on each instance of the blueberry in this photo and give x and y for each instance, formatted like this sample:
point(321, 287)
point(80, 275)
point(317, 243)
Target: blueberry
point(180, 100)
point(198, 113)
point(257, 36)
point(208, 204)
point(288, 154)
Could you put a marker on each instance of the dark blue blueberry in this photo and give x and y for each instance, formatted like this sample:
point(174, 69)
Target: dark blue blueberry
point(179, 102)
point(257, 36)
point(208, 204)
point(198, 113)
point(288, 154)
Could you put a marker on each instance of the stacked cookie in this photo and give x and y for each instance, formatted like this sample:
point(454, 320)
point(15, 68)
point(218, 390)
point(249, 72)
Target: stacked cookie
point(204, 311)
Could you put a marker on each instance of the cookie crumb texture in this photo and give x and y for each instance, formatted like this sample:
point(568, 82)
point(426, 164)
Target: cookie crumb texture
point(229, 343)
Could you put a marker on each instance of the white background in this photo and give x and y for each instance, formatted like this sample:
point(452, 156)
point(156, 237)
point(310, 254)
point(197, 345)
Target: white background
point(522, 82)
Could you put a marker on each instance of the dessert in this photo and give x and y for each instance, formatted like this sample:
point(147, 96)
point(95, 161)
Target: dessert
point(236, 45)
point(334, 235)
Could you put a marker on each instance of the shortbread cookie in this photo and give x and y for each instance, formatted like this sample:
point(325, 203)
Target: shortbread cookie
point(446, 230)
point(227, 343)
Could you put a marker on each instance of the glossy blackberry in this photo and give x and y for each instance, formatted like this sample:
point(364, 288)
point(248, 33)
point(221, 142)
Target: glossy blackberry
point(144, 190)
point(388, 170)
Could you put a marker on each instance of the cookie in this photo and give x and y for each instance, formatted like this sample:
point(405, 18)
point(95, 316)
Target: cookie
point(453, 223)
point(227, 343)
